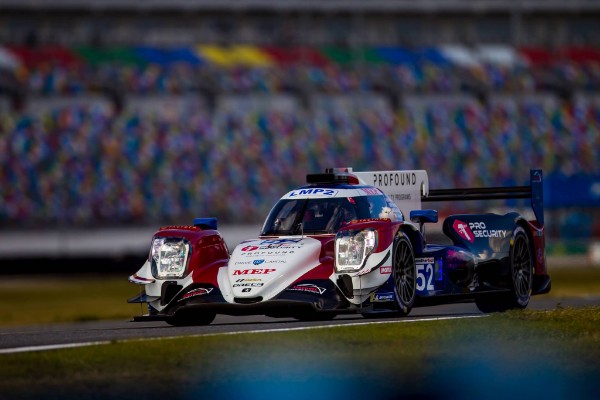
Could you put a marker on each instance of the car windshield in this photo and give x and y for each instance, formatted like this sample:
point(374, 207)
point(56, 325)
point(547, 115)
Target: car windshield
point(325, 215)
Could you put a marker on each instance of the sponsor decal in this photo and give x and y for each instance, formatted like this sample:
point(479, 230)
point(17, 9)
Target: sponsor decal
point(425, 260)
point(253, 262)
point(274, 261)
point(395, 179)
point(280, 241)
point(382, 297)
point(385, 270)
point(313, 192)
point(246, 290)
point(196, 292)
point(474, 230)
point(250, 284)
point(237, 262)
point(354, 221)
point(400, 196)
point(371, 191)
point(180, 227)
point(248, 280)
point(258, 271)
point(274, 244)
point(308, 287)
point(255, 248)
point(463, 231)
point(480, 230)
point(269, 253)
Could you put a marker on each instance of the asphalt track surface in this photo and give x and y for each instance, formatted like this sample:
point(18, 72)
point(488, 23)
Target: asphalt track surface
point(48, 337)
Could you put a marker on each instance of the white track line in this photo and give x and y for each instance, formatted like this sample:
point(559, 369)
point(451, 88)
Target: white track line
point(28, 349)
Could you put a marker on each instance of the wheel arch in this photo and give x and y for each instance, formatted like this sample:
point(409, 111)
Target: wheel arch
point(522, 223)
point(541, 280)
point(414, 236)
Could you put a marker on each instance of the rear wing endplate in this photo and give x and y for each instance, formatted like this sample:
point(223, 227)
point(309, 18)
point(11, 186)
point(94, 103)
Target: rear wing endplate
point(534, 192)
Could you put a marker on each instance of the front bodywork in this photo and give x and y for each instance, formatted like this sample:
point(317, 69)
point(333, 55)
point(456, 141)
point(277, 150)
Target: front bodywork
point(277, 276)
point(206, 253)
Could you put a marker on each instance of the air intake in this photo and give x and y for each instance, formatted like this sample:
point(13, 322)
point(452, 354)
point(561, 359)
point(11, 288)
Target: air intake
point(248, 300)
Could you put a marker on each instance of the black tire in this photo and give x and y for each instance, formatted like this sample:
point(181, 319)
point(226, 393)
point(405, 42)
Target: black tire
point(493, 302)
point(521, 265)
point(191, 319)
point(521, 270)
point(404, 274)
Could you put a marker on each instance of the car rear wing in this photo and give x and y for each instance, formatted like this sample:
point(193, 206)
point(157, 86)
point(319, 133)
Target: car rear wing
point(533, 191)
point(409, 188)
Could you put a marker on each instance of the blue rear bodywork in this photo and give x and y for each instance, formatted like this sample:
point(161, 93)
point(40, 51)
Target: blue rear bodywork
point(478, 258)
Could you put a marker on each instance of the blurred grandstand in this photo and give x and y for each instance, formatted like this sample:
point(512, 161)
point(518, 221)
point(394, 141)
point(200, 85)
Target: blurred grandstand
point(137, 113)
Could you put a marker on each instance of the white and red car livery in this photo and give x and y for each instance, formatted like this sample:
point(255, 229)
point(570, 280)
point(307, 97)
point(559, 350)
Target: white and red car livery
point(342, 243)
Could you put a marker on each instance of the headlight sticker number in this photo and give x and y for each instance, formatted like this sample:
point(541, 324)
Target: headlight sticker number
point(425, 274)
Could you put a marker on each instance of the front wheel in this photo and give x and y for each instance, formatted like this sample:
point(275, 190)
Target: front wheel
point(404, 275)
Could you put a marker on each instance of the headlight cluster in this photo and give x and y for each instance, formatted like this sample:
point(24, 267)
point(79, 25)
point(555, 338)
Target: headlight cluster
point(352, 248)
point(169, 256)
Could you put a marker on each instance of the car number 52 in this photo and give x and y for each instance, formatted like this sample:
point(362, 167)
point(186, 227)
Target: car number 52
point(425, 277)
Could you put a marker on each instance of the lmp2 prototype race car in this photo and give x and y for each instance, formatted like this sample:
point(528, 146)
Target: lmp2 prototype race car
point(341, 244)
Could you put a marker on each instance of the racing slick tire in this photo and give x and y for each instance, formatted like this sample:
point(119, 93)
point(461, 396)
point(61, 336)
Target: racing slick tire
point(521, 270)
point(521, 264)
point(404, 274)
point(191, 319)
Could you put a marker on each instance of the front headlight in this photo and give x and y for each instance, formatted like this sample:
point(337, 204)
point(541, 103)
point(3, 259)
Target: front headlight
point(169, 257)
point(352, 248)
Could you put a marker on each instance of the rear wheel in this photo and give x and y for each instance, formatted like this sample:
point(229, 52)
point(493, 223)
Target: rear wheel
point(404, 275)
point(493, 302)
point(521, 269)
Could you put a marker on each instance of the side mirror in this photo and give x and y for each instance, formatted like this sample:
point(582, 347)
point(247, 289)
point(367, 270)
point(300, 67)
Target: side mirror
point(423, 216)
point(206, 223)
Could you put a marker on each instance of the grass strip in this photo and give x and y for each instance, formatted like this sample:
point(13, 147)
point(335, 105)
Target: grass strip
point(47, 299)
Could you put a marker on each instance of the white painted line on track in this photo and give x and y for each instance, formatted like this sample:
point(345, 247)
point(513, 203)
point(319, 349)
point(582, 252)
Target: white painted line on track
point(28, 349)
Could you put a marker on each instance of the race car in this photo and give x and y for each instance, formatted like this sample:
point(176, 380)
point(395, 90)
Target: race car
point(340, 244)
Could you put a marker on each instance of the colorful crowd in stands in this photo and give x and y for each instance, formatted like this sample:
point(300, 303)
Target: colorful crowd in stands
point(244, 68)
point(86, 165)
